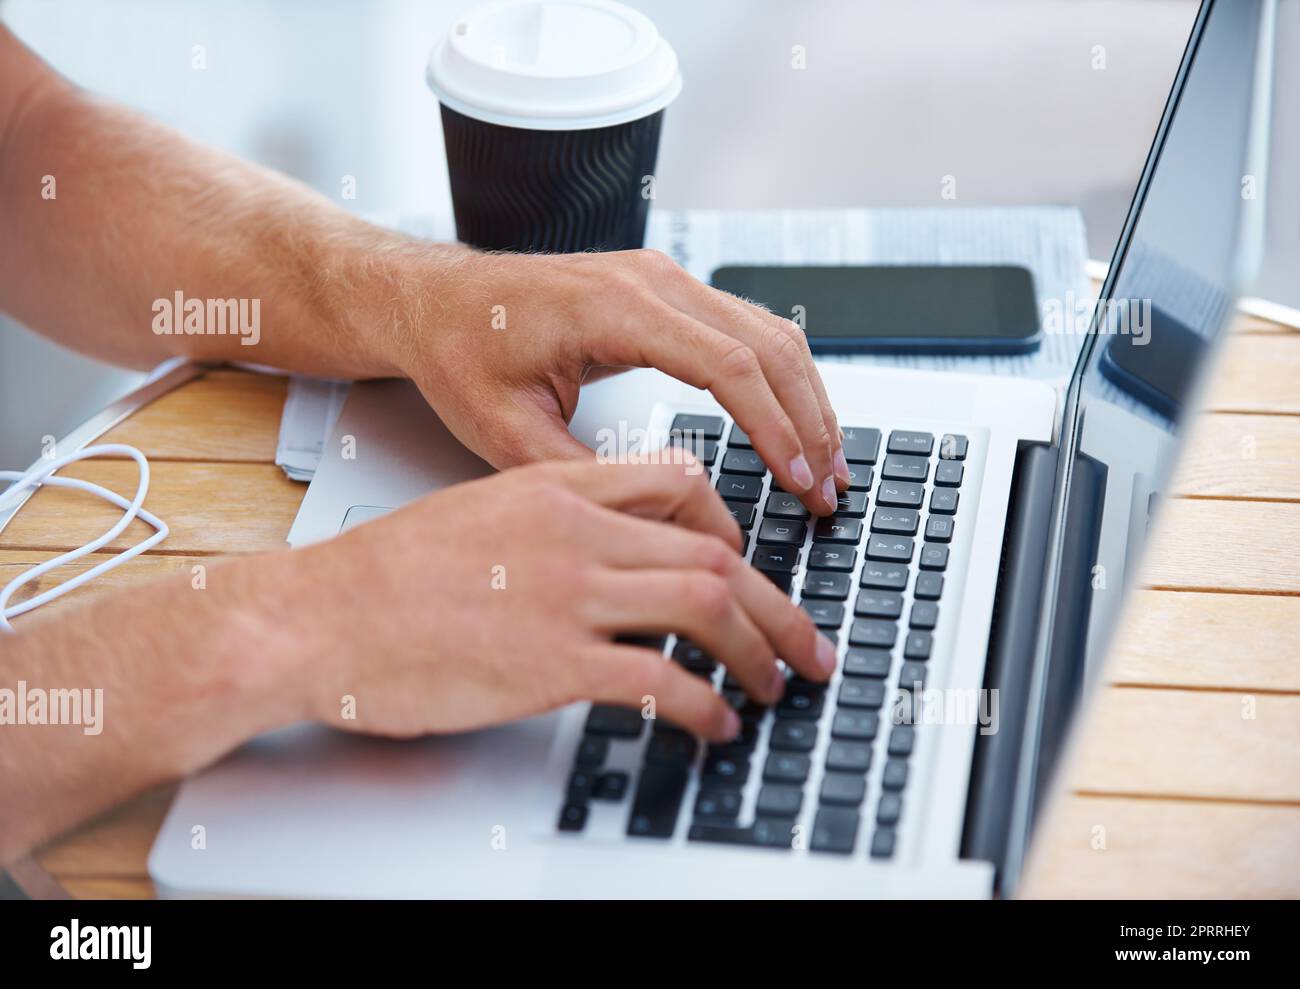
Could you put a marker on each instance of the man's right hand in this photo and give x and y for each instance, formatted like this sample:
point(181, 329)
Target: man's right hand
point(501, 598)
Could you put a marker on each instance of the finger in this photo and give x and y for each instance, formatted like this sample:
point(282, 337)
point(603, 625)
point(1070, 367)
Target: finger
point(696, 604)
point(704, 357)
point(627, 542)
point(782, 349)
point(626, 675)
point(675, 490)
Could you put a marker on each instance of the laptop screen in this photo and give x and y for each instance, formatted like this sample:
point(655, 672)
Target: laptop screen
point(1188, 246)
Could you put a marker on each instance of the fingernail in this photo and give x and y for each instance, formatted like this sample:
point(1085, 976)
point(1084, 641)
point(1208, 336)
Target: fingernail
point(801, 473)
point(778, 683)
point(841, 466)
point(828, 494)
point(731, 725)
point(825, 654)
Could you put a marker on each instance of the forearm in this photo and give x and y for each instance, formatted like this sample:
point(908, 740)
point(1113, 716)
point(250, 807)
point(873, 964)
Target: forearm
point(186, 675)
point(108, 215)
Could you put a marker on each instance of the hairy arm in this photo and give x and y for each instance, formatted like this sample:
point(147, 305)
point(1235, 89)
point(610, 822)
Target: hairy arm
point(114, 211)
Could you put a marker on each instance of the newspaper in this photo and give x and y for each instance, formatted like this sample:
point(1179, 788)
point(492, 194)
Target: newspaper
point(1048, 240)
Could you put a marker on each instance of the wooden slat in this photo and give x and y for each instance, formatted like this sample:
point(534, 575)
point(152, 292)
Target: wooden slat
point(1191, 743)
point(210, 508)
point(1158, 849)
point(222, 416)
point(1188, 639)
point(1233, 546)
point(130, 574)
point(1258, 373)
point(1242, 456)
point(114, 845)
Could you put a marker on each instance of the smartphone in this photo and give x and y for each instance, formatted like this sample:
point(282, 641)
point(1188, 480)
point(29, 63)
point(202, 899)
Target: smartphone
point(1158, 365)
point(898, 309)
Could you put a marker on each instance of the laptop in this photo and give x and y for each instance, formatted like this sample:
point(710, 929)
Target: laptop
point(971, 578)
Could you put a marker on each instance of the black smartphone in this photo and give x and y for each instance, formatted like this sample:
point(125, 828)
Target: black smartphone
point(897, 309)
point(1156, 365)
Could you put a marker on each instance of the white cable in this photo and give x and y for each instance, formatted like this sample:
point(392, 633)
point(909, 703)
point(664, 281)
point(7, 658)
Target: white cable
point(42, 475)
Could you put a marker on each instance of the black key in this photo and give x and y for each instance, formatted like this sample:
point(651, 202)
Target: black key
point(735, 487)
point(573, 817)
point(723, 805)
point(837, 530)
point(943, 501)
point(671, 750)
point(830, 556)
point(724, 766)
point(938, 529)
point(592, 751)
point(901, 521)
point(925, 615)
point(855, 726)
point(889, 810)
point(705, 451)
point(860, 477)
point(801, 704)
point(710, 427)
point(872, 663)
point(952, 447)
point(934, 556)
point(861, 446)
point(621, 722)
point(848, 757)
point(782, 580)
point(929, 586)
point(739, 438)
point(744, 543)
point(883, 576)
point(663, 727)
point(779, 800)
point(900, 494)
point(782, 532)
point(582, 784)
point(882, 843)
point(659, 794)
point(784, 506)
point(878, 604)
point(912, 676)
point(611, 786)
point(900, 467)
point(655, 642)
point(897, 549)
point(825, 614)
point(917, 645)
point(743, 513)
point(776, 559)
point(869, 632)
point(786, 767)
point(852, 504)
point(793, 736)
point(743, 462)
point(835, 829)
point(693, 658)
point(845, 789)
point(904, 441)
point(763, 833)
point(825, 584)
point(895, 777)
point(901, 740)
point(863, 693)
point(949, 473)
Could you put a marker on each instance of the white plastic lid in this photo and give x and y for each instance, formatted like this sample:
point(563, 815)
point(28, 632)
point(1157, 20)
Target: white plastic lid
point(554, 65)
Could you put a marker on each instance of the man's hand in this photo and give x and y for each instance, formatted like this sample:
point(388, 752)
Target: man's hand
point(509, 339)
point(501, 598)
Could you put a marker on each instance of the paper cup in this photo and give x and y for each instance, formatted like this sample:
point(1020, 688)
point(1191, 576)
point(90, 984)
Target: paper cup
point(551, 112)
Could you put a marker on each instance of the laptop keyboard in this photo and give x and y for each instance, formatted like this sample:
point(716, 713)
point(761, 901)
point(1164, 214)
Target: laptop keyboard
point(851, 573)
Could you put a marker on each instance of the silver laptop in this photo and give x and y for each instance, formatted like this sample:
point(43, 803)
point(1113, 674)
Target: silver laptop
point(971, 579)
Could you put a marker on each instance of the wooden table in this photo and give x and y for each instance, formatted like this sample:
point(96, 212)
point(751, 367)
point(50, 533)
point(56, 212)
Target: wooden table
point(1191, 774)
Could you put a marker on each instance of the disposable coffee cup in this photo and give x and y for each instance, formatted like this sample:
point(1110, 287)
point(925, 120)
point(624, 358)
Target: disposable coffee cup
point(551, 112)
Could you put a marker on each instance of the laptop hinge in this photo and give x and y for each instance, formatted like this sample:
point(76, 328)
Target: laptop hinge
point(1009, 666)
